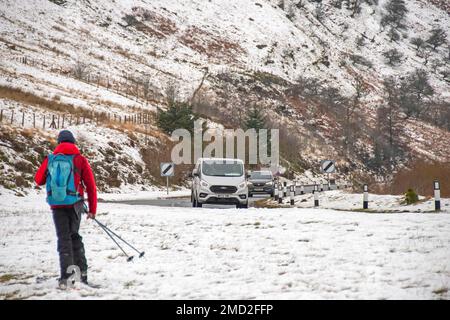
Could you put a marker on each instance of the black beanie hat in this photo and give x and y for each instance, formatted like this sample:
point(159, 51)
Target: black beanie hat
point(66, 136)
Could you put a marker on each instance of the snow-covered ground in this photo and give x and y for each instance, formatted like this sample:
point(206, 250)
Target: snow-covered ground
point(205, 253)
point(343, 200)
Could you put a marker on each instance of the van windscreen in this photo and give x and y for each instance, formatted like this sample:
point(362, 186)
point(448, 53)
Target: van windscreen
point(222, 168)
point(263, 175)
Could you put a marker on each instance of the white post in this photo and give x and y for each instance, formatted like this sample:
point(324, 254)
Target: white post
point(302, 189)
point(321, 186)
point(292, 194)
point(280, 193)
point(437, 196)
point(275, 191)
point(316, 196)
point(285, 189)
point(366, 197)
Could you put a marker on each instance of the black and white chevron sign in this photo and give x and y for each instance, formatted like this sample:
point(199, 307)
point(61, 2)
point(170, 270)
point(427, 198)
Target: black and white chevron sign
point(327, 166)
point(167, 169)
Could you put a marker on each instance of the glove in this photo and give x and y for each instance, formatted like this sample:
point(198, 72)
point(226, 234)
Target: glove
point(90, 215)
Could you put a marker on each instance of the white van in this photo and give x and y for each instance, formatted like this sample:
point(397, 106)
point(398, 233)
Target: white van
point(219, 181)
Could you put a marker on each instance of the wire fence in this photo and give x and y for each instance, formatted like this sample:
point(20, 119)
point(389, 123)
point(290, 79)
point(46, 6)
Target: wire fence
point(60, 121)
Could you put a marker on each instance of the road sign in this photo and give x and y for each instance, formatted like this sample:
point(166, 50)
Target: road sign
point(327, 166)
point(167, 169)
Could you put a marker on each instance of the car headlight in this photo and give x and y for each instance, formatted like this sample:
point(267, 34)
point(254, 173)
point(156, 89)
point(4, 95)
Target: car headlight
point(268, 183)
point(204, 184)
point(249, 183)
point(242, 185)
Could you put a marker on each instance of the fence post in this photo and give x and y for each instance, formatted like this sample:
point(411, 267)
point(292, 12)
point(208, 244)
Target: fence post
point(284, 189)
point(437, 196)
point(34, 120)
point(43, 122)
point(53, 124)
point(12, 116)
point(366, 197)
point(58, 122)
point(316, 196)
point(63, 118)
point(1, 115)
point(292, 194)
point(302, 189)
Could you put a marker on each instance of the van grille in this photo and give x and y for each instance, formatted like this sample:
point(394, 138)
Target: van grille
point(223, 189)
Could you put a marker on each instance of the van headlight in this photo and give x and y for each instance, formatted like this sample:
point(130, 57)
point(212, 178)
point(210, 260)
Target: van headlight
point(204, 184)
point(242, 185)
point(268, 183)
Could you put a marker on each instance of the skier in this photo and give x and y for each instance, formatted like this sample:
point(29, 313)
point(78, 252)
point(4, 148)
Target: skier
point(67, 173)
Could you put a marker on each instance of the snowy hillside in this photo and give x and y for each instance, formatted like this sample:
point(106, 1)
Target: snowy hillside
point(116, 58)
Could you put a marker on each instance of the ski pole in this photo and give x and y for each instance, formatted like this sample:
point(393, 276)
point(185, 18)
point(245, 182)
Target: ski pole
point(129, 258)
point(141, 253)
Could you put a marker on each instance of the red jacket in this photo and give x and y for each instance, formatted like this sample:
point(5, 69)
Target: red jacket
point(84, 172)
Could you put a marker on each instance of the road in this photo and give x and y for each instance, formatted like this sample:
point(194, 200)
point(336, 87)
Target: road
point(178, 202)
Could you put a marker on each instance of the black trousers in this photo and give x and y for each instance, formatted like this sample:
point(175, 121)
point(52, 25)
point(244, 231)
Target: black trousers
point(70, 244)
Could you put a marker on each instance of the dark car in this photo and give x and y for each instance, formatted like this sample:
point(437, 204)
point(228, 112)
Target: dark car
point(260, 182)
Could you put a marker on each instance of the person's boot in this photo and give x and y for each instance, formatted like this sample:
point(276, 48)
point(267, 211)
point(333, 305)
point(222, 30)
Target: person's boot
point(84, 278)
point(62, 283)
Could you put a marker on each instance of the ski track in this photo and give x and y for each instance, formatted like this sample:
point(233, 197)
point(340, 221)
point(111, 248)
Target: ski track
point(194, 253)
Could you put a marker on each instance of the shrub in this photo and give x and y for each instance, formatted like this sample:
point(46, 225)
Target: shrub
point(357, 59)
point(420, 176)
point(411, 196)
point(393, 57)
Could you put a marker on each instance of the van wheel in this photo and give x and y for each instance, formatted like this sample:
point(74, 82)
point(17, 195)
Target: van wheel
point(242, 206)
point(194, 202)
point(199, 205)
point(250, 195)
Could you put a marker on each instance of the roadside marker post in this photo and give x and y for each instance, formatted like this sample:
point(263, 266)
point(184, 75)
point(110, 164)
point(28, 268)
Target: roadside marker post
point(284, 189)
point(280, 193)
point(316, 196)
point(275, 191)
point(437, 196)
point(321, 186)
point(302, 189)
point(292, 191)
point(167, 170)
point(366, 197)
point(295, 188)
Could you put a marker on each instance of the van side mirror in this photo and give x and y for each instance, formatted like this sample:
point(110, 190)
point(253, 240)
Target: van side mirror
point(195, 173)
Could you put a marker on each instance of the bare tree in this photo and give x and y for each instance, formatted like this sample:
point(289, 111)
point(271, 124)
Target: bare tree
point(437, 38)
point(418, 43)
point(394, 14)
point(393, 57)
point(81, 70)
point(171, 93)
point(319, 12)
point(393, 35)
